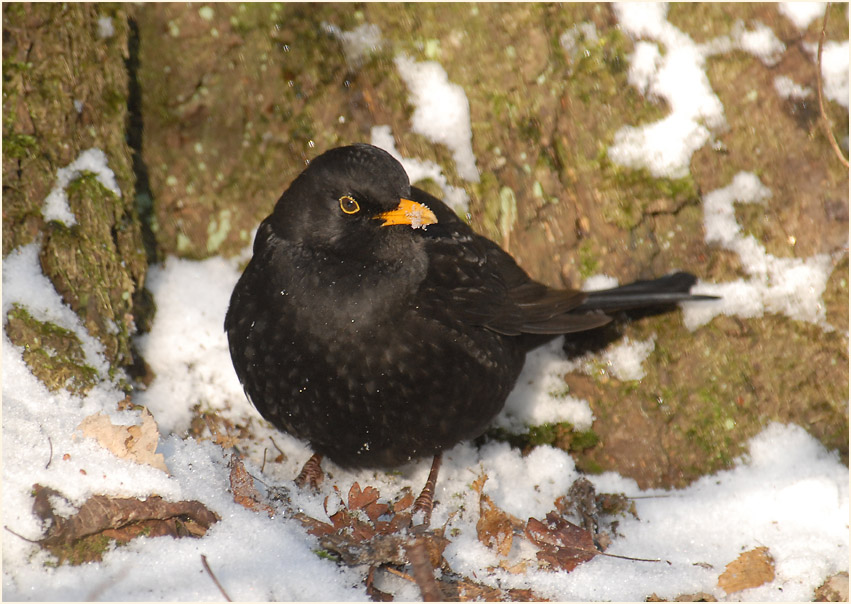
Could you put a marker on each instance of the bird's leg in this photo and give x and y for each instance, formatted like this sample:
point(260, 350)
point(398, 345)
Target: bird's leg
point(311, 474)
point(425, 502)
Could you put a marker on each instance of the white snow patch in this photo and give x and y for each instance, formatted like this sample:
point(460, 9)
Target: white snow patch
point(834, 69)
point(358, 44)
point(787, 88)
point(106, 29)
point(665, 147)
point(188, 351)
point(441, 111)
point(623, 360)
point(598, 282)
point(541, 394)
point(417, 169)
point(789, 286)
point(801, 13)
point(25, 285)
point(760, 42)
point(91, 160)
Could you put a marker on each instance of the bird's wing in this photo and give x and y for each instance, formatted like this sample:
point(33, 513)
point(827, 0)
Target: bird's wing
point(475, 281)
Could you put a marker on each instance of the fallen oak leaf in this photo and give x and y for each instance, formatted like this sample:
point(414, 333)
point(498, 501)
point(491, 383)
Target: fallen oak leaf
point(494, 527)
point(400, 515)
point(751, 569)
point(563, 545)
point(358, 499)
point(376, 510)
point(346, 521)
point(314, 527)
point(358, 538)
point(367, 500)
point(243, 489)
point(99, 513)
point(358, 529)
point(138, 443)
point(404, 502)
point(120, 519)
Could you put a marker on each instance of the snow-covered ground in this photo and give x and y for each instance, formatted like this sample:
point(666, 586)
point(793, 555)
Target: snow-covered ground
point(787, 494)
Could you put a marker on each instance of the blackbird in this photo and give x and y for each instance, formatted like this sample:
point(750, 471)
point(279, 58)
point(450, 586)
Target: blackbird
point(377, 326)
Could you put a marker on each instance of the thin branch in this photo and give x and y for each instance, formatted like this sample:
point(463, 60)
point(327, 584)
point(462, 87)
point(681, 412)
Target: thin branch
point(422, 570)
point(399, 573)
point(283, 455)
point(22, 537)
point(824, 120)
point(49, 442)
point(213, 577)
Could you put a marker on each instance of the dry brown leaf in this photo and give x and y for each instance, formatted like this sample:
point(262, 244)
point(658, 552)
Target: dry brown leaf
point(137, 443)
point(404, 502)
point(360, 499)
point(834, 589)
point(479, 483)
point(242, 487)
point(564, 546)
point(515, 569)
point(751, 569)
point(466, 590)
point(314, 526)
point(120, 518)
point(494, 527)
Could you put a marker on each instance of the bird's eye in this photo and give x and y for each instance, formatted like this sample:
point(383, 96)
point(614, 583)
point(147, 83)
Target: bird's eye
point(349, 205)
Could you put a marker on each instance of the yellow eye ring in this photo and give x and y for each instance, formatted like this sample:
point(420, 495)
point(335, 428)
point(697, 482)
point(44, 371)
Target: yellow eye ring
point(349, 205)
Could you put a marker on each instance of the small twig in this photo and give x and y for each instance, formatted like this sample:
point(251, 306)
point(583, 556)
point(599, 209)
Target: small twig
point(21, 536)
point(629, 557)
point(283, 455)
point(824, 119)
point(263, 465)
point(50, 459)
point(213, 577)
point(399, 573)
point(422, 571)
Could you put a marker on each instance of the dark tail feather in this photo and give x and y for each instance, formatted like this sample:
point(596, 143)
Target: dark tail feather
point(664, 291)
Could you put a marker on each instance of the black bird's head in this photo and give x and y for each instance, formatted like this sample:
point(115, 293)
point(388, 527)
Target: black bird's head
point(348, 201)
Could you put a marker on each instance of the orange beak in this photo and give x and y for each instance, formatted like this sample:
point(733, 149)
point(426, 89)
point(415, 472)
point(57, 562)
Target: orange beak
point(414, 214)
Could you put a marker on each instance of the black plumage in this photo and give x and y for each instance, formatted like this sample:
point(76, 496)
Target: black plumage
point(376, 325)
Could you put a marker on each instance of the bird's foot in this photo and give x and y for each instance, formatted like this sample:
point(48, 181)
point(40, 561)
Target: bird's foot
point(311, 474)
point(424, 504)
